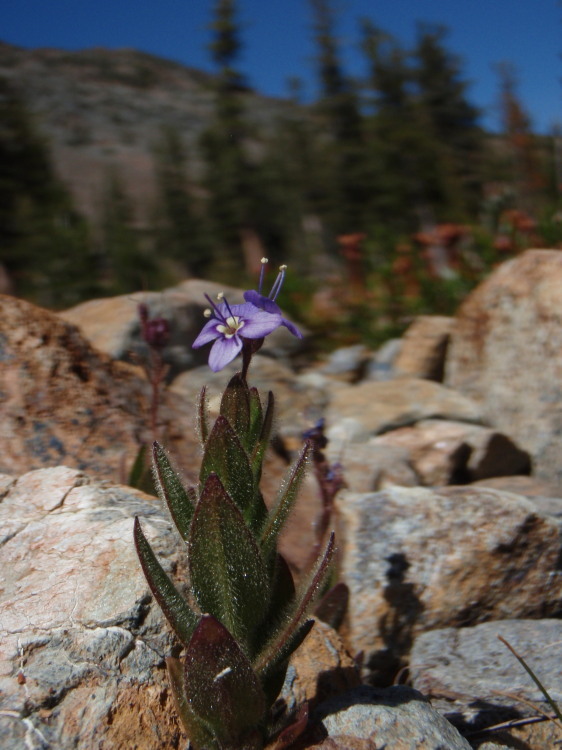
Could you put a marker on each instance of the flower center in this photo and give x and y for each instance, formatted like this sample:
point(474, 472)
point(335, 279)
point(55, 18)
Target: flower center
point(232, 325)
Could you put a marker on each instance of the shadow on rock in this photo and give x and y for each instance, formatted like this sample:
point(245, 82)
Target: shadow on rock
point(396, 627)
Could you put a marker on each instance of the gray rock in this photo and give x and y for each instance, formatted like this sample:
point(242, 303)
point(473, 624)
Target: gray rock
point(397, 717)
point(449, 452)
point(477, 682)
point(424, 347)
point(381, 364)
point(346, 363)
point(63, 401)
point(544, 496)
point(372, 466)
point(82, 644)
point(506, 354)
point(417, 559)
point(371, 408)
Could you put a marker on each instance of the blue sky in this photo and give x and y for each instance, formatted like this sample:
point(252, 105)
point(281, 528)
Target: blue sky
point(278, 40)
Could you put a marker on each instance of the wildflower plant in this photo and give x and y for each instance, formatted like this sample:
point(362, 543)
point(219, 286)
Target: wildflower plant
point(242, 615)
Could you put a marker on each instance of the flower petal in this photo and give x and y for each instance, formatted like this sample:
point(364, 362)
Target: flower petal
point(208, 333)
point(264, 303)
point(292, 328)
point(260, 324)
point(223, 352)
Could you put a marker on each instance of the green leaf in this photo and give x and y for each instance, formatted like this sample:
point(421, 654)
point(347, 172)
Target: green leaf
point(235, 407)
point(136, 475)
point(177, 611)
point(171, 490)
point(272, 675)
point(221, 685)
point(284, 505)
point(202, 416)
point(256, 415)
point(282, 594)
point(262, 444)
point(225, 456)
point(197, 731)
point(227, 571)
point(276, 649)
point(283, 589)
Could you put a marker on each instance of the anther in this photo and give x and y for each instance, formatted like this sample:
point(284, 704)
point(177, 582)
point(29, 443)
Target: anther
point(264, 262)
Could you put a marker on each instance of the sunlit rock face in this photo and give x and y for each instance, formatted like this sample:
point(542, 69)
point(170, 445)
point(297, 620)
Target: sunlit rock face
point(506, 354)
point(416, 559)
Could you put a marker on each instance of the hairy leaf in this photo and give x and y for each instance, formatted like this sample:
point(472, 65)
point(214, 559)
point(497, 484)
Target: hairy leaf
point(260, 448)
point(225, 456)
point(276, 650)
point(283, 589)
point(202, 416)
point(171, 490)
point(227, 571)
point(284, 505)
point(221, 685)
point(235, 407)
point(256, 415)
point(136, 475)
point(272, 674)
point(197, 731)
point(177, 611)
point(282, 594)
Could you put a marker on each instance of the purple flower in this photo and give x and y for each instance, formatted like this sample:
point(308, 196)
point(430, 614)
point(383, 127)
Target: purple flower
point(229, 325)
point(268, 303)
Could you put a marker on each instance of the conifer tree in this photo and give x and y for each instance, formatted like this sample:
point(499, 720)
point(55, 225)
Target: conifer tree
point(525, 173)
point(44, 243)
point(339, 107)
point(451, 119)
point(228, 171)
point(400, 158)
point(181, 238)
point(125, 266)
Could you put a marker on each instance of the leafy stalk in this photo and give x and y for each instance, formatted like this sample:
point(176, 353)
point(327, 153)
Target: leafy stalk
point(242, 617)
point(263, 441)
point(284, 505)
point(275, 650)
point(227, 571)
point(178, 613)
point(171, 490)
point(202, 415)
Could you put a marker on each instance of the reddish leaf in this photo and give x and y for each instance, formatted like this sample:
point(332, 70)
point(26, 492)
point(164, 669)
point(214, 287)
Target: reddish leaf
point(220, 684)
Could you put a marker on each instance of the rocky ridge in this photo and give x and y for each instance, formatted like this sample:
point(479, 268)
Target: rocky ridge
point(105, 110)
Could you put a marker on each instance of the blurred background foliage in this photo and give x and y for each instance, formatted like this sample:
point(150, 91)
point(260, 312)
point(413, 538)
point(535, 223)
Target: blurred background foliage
point(385, 197)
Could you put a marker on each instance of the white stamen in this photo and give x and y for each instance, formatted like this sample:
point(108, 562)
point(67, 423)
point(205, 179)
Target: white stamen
point(233, 325)
point(263, 261)
point(220, 295)
point(207, 312)
point(283, 267)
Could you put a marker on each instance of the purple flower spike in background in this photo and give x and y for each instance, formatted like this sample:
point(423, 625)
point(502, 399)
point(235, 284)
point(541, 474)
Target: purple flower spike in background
point(268, 303)
point(229, 325)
